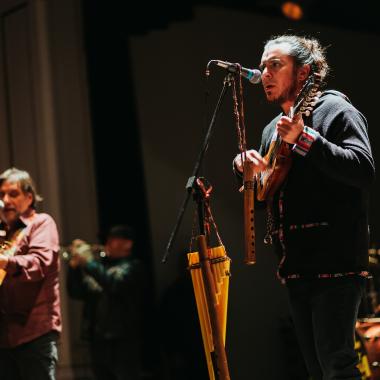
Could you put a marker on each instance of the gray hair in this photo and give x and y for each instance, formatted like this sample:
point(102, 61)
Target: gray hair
point(26, 182)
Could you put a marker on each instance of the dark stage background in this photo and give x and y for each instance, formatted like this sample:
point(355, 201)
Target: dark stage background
point(146, 76)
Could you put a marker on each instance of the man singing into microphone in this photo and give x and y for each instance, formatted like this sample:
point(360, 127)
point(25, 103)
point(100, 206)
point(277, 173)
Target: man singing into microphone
point(320, 212)
point(30, 318)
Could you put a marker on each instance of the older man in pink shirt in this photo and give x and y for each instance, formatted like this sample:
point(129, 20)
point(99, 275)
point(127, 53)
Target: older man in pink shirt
point(30, 320)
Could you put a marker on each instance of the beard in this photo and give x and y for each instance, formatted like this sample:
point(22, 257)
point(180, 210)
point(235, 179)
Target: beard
point(289, 93)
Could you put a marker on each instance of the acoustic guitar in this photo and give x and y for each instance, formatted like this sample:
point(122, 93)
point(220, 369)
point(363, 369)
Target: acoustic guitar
point(279, 155)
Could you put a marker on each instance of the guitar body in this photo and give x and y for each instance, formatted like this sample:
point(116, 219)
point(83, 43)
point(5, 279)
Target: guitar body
point(270, 180)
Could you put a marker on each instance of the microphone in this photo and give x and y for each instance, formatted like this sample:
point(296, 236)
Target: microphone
point(2, 205)
point(253, 75)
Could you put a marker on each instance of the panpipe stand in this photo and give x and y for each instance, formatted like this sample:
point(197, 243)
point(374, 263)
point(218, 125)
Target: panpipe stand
point(219, 357)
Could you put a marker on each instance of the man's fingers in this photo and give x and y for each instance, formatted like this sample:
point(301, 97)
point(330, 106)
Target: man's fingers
point(285, 120)
point(253, 156)
point(257, 159)
point(238, 163)
point(296, 117)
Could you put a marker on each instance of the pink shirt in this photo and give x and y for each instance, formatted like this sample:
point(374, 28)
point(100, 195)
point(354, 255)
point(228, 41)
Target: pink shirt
point(29, 295)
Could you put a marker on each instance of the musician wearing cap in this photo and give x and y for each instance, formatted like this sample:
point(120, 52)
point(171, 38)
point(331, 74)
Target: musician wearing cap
point(30, 319)
point(314, 168)
point(112, 290)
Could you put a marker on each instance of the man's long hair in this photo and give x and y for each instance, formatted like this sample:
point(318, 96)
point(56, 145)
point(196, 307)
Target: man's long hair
point(305, 51)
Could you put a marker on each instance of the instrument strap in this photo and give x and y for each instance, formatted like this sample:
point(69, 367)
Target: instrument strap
point(208, 217)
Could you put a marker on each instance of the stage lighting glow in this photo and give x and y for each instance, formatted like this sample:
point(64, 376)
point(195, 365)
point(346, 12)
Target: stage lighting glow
point(292, 10)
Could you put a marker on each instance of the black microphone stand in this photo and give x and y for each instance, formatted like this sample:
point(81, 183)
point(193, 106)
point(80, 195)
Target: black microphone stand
point(194, 186)
point(191, 185)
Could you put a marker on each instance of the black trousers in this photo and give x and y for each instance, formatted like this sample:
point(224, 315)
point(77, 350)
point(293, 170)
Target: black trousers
point(30, 361)
point(324, 313)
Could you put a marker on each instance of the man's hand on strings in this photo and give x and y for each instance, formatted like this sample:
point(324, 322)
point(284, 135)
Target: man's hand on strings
point(259, 163)
point(290, 129)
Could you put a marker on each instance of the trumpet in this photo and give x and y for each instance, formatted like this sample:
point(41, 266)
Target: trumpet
point(67, 252)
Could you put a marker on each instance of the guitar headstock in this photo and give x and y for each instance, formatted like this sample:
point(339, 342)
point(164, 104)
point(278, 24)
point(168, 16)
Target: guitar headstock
point(308, 96)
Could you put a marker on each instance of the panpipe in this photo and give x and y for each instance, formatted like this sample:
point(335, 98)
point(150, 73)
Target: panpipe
point(220, 266)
